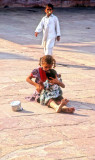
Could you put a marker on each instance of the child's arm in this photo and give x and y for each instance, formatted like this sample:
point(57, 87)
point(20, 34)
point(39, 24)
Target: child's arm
point(39, 87)
point(58, 82)
point(57, 27)
point(61, 84)
point(39, 27)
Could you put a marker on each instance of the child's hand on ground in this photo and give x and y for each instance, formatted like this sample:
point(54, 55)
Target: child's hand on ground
point(36, 34)
point(58, 38)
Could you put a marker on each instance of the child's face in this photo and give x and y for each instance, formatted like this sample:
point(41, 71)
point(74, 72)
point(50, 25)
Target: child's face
point(46, 66)
point(48, 11)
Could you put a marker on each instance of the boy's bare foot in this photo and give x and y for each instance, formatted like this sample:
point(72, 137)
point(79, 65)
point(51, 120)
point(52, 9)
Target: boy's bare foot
point(63, 102)
point(68, 110)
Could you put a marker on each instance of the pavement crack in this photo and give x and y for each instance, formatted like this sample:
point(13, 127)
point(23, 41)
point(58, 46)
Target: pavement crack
point(48, 126)
point(29, 150)
point(45, 144)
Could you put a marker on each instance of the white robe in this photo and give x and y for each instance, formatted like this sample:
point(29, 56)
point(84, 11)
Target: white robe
point(51, 29)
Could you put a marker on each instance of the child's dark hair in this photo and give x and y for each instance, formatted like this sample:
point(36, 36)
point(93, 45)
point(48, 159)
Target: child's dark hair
point(50, 5)
point(48, 59)
point(51, 73)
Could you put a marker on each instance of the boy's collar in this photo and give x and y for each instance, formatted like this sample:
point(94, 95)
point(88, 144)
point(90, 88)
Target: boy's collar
point(49, 16)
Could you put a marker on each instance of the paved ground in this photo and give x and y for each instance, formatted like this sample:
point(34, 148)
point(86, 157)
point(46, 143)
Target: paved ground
point(38, 133)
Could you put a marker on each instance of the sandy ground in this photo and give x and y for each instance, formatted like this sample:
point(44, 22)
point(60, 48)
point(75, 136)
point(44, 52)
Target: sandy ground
point(38, 132)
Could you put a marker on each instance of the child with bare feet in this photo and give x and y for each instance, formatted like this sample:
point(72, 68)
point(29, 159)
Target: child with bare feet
point(51, 95)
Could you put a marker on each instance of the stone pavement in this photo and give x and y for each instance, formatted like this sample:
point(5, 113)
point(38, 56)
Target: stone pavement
point(38, 133)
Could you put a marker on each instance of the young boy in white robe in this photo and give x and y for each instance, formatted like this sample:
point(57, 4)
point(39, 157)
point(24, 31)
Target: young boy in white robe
point(51, 30)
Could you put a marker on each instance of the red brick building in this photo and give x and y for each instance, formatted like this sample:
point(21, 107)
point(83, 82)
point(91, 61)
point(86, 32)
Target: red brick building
point(56, 3)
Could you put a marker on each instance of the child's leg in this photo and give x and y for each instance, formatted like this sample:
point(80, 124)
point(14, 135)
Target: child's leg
point(48, 51)
point(65, 101)
point(44, 50)
point(66, 109)
point(57, 107)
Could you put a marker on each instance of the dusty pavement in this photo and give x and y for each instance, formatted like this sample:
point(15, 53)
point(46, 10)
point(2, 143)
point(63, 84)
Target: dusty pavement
point(38, 133)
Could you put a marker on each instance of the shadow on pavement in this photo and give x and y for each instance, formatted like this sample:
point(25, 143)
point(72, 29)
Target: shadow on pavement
point(25, 111)
point(82, 105)
point(76, 114)
point(85, 47)
point(76, 66)
point(15, 56)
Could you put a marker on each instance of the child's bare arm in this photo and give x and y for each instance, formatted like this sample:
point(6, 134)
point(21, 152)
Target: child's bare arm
point(39, 87)
point(61, 84)
point(29, 80)
point(56, 81)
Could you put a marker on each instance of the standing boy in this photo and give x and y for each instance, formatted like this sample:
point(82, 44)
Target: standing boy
point(51, 30)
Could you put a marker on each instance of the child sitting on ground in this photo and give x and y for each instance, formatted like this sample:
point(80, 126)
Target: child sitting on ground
point(46, 62)
point(51, 95)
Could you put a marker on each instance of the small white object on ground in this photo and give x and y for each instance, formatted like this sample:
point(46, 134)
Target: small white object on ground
point(16, 106)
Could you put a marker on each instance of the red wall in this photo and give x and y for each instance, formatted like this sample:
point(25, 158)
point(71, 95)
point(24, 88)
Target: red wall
point(56, 3)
